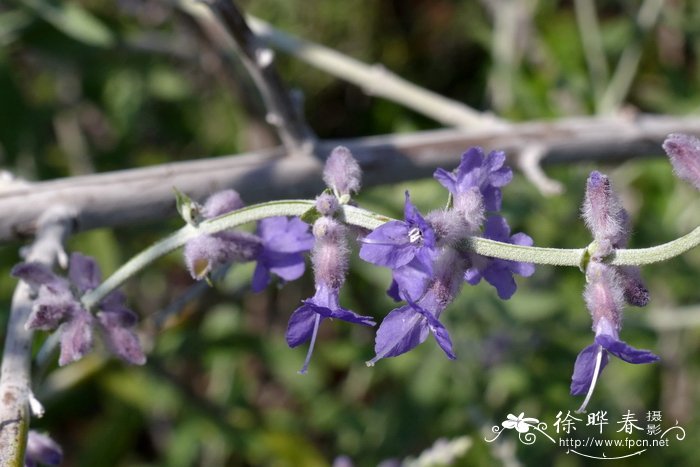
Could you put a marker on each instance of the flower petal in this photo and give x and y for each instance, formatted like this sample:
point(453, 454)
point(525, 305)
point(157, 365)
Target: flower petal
point(500, 277)
point(439, 331)
point(119, 338)
point(388, 245)
point(400, 331)
point(76, 337)
point(301, 325)
point(84, 272)
point(37, 274)
point(584, 369)
point(624, 351)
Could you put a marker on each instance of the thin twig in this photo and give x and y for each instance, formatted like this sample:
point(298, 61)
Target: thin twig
point(15, 385)
point(259, 61)
point(373, 79)
point(376, 80)
point(107, 200)
point(627, 66)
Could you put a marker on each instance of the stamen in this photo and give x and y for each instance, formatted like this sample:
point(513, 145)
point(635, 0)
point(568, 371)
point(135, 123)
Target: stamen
point(415, 235)
point(305, 368)
point(596, 372)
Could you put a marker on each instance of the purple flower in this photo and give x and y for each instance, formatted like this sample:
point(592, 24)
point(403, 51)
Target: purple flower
point(487, 173)
point(283, 243)
point(604, 297)
point(41, 449)
point(407, 326)
point(330, 260)
point(205, 252)
point(58, 304)
point(499, 272)
point(684, 152)
point(407, 247)
point(606, 342)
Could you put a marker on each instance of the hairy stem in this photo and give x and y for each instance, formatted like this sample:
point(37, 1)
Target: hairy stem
point(370, 220)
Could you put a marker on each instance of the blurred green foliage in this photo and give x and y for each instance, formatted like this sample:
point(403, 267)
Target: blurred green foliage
point(92, 85)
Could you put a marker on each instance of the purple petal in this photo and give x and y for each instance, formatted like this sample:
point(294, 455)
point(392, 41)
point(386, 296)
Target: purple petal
point(50, 309)
point(624, 351)
point(342, 313)
point(446, 179)
point(501, 278)
point(114, 300)
point(388, 245)
point(76, 337)
point(84, 272)
point(501, 177)
point(36, 274)
point(497, 228)
point(119, 338)
point(42, 449)
point(400, 331)
point(492, 198)
point(301, 325)
point(288, 266)
point(412, 279)
point(284, 235)
point(439, 331)
point(261, 277)
point(584, 369)
point(393, 291)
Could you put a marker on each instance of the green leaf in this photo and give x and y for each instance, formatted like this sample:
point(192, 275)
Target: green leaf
point(76, 22)
point(311, 216)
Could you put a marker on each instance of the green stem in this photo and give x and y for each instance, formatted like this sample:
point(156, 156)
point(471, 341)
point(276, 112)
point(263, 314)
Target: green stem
point(370, 220)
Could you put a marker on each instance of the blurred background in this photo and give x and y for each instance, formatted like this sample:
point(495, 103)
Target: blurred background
point(93, 86)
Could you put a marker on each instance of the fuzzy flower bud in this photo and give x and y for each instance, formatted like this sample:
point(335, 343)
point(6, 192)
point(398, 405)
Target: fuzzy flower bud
point(604, 294)
point(449, 226)
point(684, 152)
point(327, 204)
point(205, 252)
point(470, 204)
point(342, 173)
point(221, 203)
point(604, 215)
point(330, 253)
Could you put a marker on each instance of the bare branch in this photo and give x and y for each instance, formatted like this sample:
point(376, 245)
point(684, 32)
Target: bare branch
point(145, 195)
point(375, 80)
point(15, 386)
point(258, 60)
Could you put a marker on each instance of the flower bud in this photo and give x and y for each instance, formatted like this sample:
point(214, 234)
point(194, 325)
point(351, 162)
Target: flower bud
point(684, 152)
point(327, 204)
point(604, 215)
point(330, 253)
point(342, 173)
point(221, 203)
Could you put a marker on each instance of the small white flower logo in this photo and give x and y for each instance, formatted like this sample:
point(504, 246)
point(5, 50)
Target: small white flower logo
point(521, 423)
